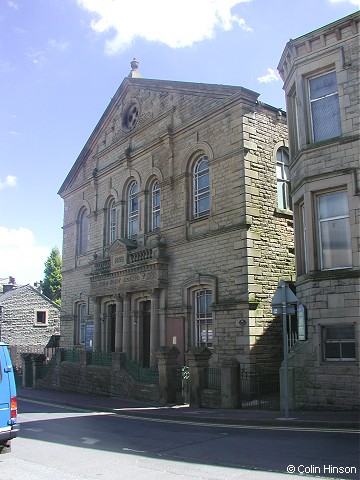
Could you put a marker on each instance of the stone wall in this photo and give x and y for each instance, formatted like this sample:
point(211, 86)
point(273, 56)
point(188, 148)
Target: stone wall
point(18, 327)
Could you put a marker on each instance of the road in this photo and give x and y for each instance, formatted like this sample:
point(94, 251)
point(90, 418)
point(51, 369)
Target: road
point(64, 443)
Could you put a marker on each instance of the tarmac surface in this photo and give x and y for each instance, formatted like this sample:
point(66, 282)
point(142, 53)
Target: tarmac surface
point(334, 420)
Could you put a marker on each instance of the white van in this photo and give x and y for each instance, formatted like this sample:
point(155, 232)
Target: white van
point(9, 427)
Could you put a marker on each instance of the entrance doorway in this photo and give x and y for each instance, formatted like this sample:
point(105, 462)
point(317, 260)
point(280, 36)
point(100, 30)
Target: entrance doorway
point(146, 321)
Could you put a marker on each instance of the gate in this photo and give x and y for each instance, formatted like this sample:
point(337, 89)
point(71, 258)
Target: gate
point(183, 384)
point(260, 389)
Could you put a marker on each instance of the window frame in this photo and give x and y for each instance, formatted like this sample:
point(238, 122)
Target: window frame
point(83, 232)
point(202, 319)
point(322, 221)
point(155, 206)
point(283, 179)
point(201, 193)
point(338, 341)
point(132, 214)
point(111, 222)
point(81, 323)
point(45, 313)
point(313, 102)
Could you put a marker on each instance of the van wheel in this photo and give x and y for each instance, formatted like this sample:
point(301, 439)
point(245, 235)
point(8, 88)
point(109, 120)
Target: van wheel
point(5, 447)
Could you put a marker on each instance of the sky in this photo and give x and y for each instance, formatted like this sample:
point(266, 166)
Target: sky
point(61, 61)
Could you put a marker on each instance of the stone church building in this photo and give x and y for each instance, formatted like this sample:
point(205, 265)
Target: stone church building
point(178, 225)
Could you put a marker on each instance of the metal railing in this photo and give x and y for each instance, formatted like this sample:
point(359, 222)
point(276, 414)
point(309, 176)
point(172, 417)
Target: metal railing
point(103, 359)
point(141, 375)
point(213, 378)
point(72, 356)
point(260, 389)
point(49, 366)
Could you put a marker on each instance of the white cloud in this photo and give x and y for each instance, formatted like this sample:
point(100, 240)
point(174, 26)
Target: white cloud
point(271, 76)
point(61, 46)
point(155, 21)
point(36, 56)
point(353, 2)
point(20, 257)
point(6, 67)
point(13, 5)
point(10, 181)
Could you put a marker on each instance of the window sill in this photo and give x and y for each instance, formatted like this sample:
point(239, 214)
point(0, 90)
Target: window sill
point(279, 212)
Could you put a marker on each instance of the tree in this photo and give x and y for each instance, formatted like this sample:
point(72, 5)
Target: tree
point(51, 285)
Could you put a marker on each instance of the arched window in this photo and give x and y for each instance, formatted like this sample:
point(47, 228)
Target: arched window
point(83, 232)
point(201, 188)
point(133, 210)
point(80, 324)
point(203, 318)
point(155, 206)
point(111, 222)
point(283, 178)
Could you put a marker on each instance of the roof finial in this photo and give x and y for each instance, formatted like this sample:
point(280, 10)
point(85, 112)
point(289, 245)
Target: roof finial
point(134, 69)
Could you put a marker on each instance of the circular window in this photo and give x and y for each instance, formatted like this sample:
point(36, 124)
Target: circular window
point(131, 116)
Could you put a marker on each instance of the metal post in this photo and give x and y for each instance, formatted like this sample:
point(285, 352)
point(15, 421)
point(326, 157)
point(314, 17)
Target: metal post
point(285, 347)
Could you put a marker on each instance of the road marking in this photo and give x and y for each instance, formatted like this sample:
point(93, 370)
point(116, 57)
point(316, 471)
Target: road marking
point(132, 450)
point(120, 413)
point(34, 429)
point(89, 440)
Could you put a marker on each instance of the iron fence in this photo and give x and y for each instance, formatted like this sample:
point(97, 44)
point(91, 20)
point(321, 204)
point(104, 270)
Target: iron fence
point(72, 356)
point(213, 378)
point(103, 359)
point(260, 389)
point(141, 375)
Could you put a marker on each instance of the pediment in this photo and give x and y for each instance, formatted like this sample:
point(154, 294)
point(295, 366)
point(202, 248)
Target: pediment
point(137, 103)
point(121, 246)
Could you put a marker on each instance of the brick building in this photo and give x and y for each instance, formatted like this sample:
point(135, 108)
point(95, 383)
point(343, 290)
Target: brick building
point(177, 225)
point(28, 320)
point(321, 81)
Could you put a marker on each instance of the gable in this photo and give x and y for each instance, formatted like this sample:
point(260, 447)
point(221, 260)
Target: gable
point(138, 105)
point(24, 297)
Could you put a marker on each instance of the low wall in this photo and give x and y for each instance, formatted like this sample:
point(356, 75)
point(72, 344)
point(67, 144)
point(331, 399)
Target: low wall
point(96, 380)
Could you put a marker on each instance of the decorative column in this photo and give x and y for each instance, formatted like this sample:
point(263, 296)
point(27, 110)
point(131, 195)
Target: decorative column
point(118, 323)
point(126, 325)
point(97, 325)
point(134, 324)
point(167, 365)
point(103, 331)
point(154, 327)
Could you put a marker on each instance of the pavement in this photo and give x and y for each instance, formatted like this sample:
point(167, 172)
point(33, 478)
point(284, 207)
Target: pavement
point(320, 419)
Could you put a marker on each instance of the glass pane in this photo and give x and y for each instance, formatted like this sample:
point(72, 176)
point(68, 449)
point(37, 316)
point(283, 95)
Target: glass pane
point(332, 350)
point(348, 350)
point(336, 243)
point(84, 228)
point(203, 181)
point(134, 204)
point(322, 86)
point(333, 205)
point(338, 333)
point(326, 118)
point(203, 204)
point(201, 166)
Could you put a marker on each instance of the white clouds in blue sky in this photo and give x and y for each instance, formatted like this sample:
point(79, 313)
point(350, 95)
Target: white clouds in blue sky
point(9, 181)
point(270, 76)
point(352, 2)
point(19, 253)
point(158, 22)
